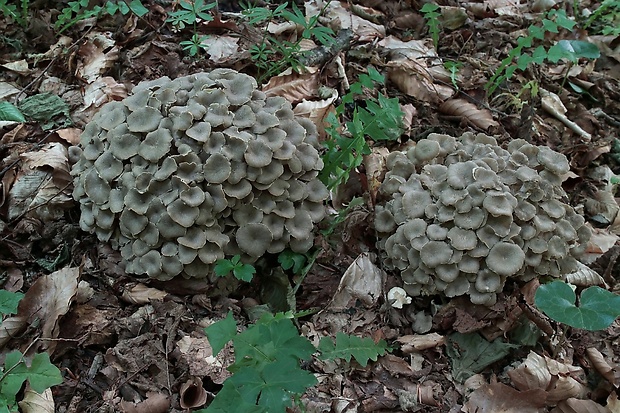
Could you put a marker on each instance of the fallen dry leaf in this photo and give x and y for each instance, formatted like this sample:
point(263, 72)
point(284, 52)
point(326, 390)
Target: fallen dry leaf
point(417, 342)
point(556, 379)
point(338, 17)
point(293, 87)
point(579, 406)
point(192, 394)
point(154, 403)
point(141, 294)
point(221, 48)
point(363, 281)
point(34, 402)
point(602, 366)
point(467, 111)
point(98, 53)
point(48, 299)
point(499, 398)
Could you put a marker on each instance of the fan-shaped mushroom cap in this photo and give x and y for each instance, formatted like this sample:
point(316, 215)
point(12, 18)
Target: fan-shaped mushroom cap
point(505, 259)
point(254, 239)
point(434, 253)
point(144, 119)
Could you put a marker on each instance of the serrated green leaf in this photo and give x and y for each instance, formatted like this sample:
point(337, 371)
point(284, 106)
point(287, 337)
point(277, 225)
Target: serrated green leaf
point(42, 374)
point(221, 332)
point(230, 400)
point(244, 272)
point(345, 347)
point(289, 259)
point(597, 310)
point(8, 112)
point(223, 267)
point(9, 301)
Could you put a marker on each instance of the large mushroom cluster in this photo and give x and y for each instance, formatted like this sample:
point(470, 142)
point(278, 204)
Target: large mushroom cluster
point(185, 172)
point(461, 216)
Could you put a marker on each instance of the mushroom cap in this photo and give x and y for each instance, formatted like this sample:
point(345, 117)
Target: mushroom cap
point(254, 239)
point(505, 259)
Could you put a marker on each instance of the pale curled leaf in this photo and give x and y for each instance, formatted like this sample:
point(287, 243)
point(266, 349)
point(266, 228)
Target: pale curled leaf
point(480, 118)
point(559, 380)
point(293, 87)
point(363, 281)
point(574, 405)
point(584, 276)
point(417, 342)
point(34, 402)
point(605, 369)
point(141, 294)
point(48, 299)
point(497, 397)
point(11, 327)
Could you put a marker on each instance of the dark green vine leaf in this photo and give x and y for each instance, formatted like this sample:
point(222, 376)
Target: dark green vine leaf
point(221, 332)
point(597, 308)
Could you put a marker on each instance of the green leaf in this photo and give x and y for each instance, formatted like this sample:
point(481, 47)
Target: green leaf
point(9, 301)
point(230, 400)
point(16, 373)
point(597, 310)
point(138, 8)
point(470, 353)
point(362, 349)
point(244, 272)
point(289, 259)
point(8, 112)
point(573, 50)
point(223, 267)
point(221, 332)
point(43, 107)
point(42, 374)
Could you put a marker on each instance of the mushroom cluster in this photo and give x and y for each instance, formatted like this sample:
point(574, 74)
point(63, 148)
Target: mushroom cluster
point(461, 216)
point(188, 171)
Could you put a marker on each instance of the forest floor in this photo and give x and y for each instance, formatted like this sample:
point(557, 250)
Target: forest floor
point(129, 344)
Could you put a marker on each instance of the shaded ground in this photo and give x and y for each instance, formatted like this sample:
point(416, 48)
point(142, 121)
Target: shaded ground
point(130, 346)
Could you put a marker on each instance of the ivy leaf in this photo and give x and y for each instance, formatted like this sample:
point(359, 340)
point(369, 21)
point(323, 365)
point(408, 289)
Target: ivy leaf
point(362, 349)
point(42, 374)
point(597, 309)
point(16, 373)
point(221, 332)
point(9, 301)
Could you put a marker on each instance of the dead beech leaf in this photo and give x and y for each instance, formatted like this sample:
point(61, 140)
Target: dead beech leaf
point(375, 169)
point(480, 118)
point(141, 294)
point(34, 402)
point(39, 191)
point(363, 281)
point(154, 403)
point(555, 378)
point(417, 342)
point(341, 18)
point(98, 53)
point(316, 111)
point(414, 80)
point(70, 135)
point(499, 398)
point(11, 327)
point(192, 394)
point(584, 276)
point(48, 299)
point(293, 87)
point(103, 90)
point(602, 366)
point(221, 48)
point(579, 406)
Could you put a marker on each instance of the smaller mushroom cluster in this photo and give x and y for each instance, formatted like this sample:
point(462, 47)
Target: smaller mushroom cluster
point(185, 172)
point(461, 216)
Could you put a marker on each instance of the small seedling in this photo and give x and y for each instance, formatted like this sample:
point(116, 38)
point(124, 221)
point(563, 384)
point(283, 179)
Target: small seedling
point(241, 271)
point(432, 13)
point(605, 19)
point(520, 58)
point(380, 120)
point(597, 308)
point(453, 67)
point(40, 374)
point(272, 55)
point(79, 10)
point(190, 13)
point(267, 375)
point(294, 261)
